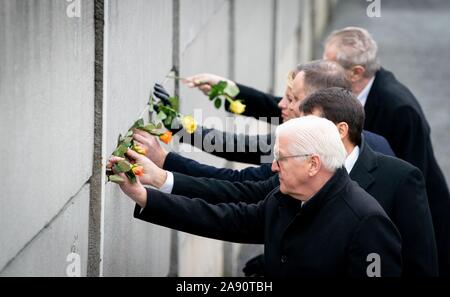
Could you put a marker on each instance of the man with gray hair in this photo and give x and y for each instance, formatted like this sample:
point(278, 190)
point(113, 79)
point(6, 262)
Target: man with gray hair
point(392, 111)
point(316, 223)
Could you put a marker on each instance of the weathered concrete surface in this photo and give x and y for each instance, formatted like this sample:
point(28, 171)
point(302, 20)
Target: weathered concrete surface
point(200, 51)
point(138, 54)
point(47, 254)
point(287, 41)
point(46, 125)
point(253, 43)
point(197, 16)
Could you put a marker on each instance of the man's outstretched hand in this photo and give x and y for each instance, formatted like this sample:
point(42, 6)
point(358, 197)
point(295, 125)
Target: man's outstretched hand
point(154, 151)
point(205, 81)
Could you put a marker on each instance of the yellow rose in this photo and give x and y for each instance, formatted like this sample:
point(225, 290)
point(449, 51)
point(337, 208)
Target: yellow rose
point(237, 107)
point(139, 149)
point(189, 124)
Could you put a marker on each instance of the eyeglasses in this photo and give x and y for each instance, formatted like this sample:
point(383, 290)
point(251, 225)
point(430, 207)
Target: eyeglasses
point(278, 159)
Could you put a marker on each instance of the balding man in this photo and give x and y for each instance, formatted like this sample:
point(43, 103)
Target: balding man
point(393, 112)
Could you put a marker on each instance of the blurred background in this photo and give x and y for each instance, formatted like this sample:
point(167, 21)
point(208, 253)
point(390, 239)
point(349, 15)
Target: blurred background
point(75, 74)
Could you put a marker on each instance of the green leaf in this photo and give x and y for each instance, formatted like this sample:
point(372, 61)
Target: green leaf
point(218, 103)
point(149, 127)
point(159, 132)
point(231, 90)
point(115, 179)
point(162, 116)
point(127, 145)
point(138, 124)
point(217, 90)
point(127, 139)
point(131, 176)
point(122, 166)
point(175, 103)
point(168, 121)
point(221, 86)
point(120, 151)
point(159, 126)
point(168, 110)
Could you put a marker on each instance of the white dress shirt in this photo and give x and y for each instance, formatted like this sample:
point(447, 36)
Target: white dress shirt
point(362, 97)
point(167, 187)
point(351, 159)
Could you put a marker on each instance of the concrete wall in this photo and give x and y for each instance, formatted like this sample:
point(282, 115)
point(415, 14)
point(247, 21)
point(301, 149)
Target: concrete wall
point(46, 127)
point(203, 48)
point(287, 46)
point(138, 53)
point(47, 115)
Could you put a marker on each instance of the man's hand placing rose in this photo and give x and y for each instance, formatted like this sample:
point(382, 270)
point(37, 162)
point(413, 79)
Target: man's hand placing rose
point(152, 175)
point(154, 151)
point(135, 191)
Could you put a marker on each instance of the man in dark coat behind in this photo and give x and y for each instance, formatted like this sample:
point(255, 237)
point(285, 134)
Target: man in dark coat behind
point(393, 112)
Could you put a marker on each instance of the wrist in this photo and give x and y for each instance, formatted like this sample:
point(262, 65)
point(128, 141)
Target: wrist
point(159, 178)
point(162, 158)
point(141, 197)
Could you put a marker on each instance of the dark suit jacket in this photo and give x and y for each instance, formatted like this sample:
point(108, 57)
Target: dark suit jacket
point(393, 112)
point(331, 235)
point(175, 162)
point(250, 149)
point(253, 147)
point(398, 187)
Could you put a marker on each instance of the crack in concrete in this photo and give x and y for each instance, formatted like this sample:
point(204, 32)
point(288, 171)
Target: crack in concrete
point(46, 226)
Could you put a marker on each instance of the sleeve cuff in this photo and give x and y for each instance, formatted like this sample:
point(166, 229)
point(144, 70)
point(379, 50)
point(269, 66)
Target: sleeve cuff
point(167, 187)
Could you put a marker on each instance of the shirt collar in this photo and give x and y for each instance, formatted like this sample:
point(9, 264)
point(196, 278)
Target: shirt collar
point(351, 159)
point(362, 97)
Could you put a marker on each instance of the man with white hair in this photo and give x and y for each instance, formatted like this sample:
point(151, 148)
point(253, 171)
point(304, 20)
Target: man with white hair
point(317, 223)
